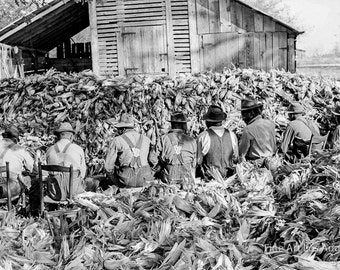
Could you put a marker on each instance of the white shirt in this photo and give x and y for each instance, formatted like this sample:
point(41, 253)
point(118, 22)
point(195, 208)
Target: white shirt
point(74, 155)
point(18, 157)
point(203, 142)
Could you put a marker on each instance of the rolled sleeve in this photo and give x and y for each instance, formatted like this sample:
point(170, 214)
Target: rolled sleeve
point(287, 140)
point(111, 157)
point(244, 144)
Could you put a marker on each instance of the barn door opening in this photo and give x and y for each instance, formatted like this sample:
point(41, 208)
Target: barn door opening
point(143, 50)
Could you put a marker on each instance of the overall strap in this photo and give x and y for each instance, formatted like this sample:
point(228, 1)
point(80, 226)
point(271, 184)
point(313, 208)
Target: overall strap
point(6, 150)
point(178, 148)
point(135, 150)
point(66, 147)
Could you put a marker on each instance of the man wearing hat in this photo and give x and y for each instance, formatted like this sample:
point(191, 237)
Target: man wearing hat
point(127, 163)
point(20, 163)
point(65, 153)
point(175, 152)
point(216, 146)
point(258, 140)
point(336, 133)
point(297, 136)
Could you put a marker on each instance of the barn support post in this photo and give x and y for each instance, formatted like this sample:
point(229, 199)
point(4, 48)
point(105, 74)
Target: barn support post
point(170, 40)
point(94, 37)
point(291, 54)
point(194, 38)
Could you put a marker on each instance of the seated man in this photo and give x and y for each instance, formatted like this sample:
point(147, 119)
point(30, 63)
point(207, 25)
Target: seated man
point(216, 146)
point(65, 153)
point(296, 138)
point(20, 163)
point(127, 163)
point(175, 152)
point(258, 140)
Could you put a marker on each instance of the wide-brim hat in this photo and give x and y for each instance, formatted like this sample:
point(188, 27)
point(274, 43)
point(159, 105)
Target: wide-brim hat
point(336, 111)
point(65, 127)
point(215, 114)
point(126, 121)
point(178, 117)
point(12, 131)
point(249, 104)
point(295, 108)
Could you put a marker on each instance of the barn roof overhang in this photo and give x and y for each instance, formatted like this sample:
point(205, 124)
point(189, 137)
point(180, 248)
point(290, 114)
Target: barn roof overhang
point(290, 29)
point(48, 26)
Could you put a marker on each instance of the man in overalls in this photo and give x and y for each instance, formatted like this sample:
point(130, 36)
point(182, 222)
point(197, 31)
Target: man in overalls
point(176, 152)
point(65, 153)
point(217, 146)
point(127, 163)
point(20, 163)
point(296, 138)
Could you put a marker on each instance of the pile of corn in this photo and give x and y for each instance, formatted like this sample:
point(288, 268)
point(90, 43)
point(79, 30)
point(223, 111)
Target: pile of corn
point(38, 103)
point(287, 222)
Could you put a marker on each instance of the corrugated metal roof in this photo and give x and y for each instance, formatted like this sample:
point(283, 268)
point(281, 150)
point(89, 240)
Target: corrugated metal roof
point(48, 26)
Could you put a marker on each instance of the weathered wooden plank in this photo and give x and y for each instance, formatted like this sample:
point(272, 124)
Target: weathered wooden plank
point(291, 55)
point(262, 38)
point(283, 44)
point(250, 50)
point(194, 38)
point(202, 7)
point(258, 22)
point(242, 50)
point(275, 50)
point(225, 16)
point(94, 38)
point(170, 39)
point(269, 51)
point(209, 52)
point(236, 15)
point(214, 16)
point(268, 24)
point(232, 50)
point(248, 20)
point(257, 61)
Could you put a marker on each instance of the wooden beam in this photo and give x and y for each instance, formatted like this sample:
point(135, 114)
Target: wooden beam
point(194, 38)
point(94, 37)
point(291, 55)
point(170, 40)
point(35, 18)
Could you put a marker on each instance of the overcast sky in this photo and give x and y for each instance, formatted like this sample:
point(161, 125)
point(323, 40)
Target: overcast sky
point(320, 19)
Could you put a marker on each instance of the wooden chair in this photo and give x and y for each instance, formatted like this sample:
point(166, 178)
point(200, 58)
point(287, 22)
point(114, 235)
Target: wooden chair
point(5, 169)
point(54, 168)
point(317, 141)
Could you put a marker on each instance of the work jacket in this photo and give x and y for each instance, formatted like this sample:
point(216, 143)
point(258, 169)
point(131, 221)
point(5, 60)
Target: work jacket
point(258, 139)
point(298, 135)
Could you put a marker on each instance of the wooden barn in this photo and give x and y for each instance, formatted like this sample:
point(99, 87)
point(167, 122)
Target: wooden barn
point(162, 37)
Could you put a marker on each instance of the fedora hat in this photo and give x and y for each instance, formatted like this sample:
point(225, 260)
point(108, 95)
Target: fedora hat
point(178, 117)
point(65, 127)
point(126, 121)
point(12, 131)
point(336, 111)
point(249, 104)
point(295, 108)
point(214, 114)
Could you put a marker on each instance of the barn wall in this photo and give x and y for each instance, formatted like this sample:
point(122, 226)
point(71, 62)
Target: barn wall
point(165, 37)
point(230, 33)
point(142, 36)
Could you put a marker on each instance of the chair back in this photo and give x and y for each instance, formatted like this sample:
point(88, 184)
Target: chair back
point(317, 142)
point(53, 168)
point(5, 169)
